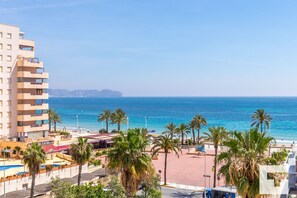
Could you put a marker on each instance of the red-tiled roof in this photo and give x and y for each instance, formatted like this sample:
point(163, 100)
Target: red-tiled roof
point(52, 148)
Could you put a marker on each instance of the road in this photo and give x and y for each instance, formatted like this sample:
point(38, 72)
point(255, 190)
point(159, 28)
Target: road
point(174, 192)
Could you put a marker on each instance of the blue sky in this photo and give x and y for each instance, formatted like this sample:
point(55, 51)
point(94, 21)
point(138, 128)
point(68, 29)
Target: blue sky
point(164, 47)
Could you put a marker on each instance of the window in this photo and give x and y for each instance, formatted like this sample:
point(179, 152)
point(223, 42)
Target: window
point(1, 91)
point(0, 114)
point(1, 58)
point(9, 69)
point(1, 80)
point(1, 46)
point(1, 69)
point(8, 125)
point(9, 91)
point(0, 103)
point(0, 125)
point(1, 34)
point(9, 47)
point(9, 102)
point(9, 35)
point(9, 58)
point(9, 114)
point(8, 80)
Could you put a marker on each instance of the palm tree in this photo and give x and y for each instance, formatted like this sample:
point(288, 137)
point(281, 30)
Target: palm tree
point(118, 117)
point(17, 150)
point(170, 129)
point(260, 118)
point(105, 116)
point(166, 143)
point(199, 121)
point(216, 135)
point(128, 157)
point(50, 113)
point(246, 151)
point(192, 126)
point(56, 119)
point(182, 130)
point(81, 154)
point(33, 157)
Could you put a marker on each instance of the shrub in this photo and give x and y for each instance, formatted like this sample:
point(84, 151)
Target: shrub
point(49, 167)
point(114, 131)
point(102, 131)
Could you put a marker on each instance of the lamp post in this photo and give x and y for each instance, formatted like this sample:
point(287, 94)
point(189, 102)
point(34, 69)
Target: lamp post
point(145, 122)
point(4, 151)
point(77, 121)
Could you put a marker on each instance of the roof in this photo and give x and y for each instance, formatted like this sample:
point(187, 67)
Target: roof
point(52, 148)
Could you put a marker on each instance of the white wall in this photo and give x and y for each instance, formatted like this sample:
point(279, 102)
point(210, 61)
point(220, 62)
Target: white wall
point(43, 178)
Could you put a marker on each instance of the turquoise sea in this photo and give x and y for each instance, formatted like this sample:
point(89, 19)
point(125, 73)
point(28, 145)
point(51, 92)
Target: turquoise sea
point(230, 112)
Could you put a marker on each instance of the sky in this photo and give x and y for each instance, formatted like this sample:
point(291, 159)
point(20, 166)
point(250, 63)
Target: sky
point(163, 47)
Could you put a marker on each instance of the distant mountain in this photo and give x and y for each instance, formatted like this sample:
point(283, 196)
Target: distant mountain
point(92, 93)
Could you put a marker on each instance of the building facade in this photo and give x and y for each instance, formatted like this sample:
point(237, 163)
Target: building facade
point(23, 87)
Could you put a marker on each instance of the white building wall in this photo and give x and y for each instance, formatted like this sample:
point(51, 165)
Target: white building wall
point(9, 42)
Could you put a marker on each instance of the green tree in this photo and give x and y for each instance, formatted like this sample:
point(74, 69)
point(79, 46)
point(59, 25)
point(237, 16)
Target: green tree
point(151, 186)
point(50, 113)
point(105, 117)
point(56, 118)
point(128, 157)
point(216, 135)
point(60, 188)
point(81, 154)
point(170, 129)
point(116, 189)
point(118, 117)
point(199, 121)
point(261, 119)
point(192, 126)
point(240, 162)
point(166, 143)
point(33, 157)
point(89, 190)
point(182, 130)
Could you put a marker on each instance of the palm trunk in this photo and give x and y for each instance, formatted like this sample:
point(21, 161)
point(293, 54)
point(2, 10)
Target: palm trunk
point(119, 127)
point(106, 125)
point(165, 168)
point(49, 126)
point(79, 174)
point(193, 132)
point(198, 136)
point(55, 127)
point(32, 186)
point(215, 167)
point(261, 127)
point(182, 139)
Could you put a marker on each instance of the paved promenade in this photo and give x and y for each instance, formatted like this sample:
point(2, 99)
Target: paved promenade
point(187, 169)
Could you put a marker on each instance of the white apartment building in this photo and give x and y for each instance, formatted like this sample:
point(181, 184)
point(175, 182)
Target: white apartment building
point(23, 87)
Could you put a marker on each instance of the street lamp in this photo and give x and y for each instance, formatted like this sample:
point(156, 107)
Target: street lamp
point(4, 151)
point(145, 122)
point(77, 117)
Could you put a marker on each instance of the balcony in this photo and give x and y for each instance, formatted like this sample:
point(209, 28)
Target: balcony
point(26, 53)
point(25, 118)
point(32, 85)
point(27, 74)
point(32, 128)
point(28, 43)
point(29, 107)
point(29, 96)
point(29, 62)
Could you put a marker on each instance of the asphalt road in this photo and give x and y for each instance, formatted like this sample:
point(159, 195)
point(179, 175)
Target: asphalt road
point(174, 192)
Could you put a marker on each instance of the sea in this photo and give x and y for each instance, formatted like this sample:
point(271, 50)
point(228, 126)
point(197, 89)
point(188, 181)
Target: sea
point(233, 113)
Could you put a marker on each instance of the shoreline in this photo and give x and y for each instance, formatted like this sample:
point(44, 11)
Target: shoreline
point(85, 131)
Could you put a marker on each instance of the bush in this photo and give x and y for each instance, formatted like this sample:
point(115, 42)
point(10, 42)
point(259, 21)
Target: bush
point(64, 133)
point(102, 131)
point(114, 131)
point(96, 162)
point(116, 188)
